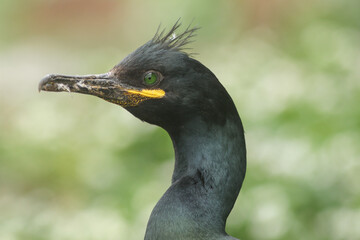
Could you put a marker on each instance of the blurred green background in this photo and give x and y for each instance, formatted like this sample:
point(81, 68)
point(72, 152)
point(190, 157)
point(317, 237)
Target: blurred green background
point(76, 167)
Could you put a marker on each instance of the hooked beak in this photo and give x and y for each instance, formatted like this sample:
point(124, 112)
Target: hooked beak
point(97, 85)
point(105, 86)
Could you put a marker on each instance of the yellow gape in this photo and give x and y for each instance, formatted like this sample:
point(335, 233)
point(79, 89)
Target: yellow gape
point(149, 93)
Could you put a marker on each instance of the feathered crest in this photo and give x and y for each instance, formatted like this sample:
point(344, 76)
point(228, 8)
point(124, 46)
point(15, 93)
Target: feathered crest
point(171, 40)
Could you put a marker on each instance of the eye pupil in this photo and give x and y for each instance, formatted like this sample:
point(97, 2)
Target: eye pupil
point(150, 78)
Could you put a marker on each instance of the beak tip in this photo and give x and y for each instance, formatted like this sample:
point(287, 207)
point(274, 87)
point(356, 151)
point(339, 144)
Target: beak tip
point(43, 81)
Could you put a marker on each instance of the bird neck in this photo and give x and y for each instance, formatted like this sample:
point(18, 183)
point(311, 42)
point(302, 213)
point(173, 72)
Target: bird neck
point(210, 164)
point(215, 153)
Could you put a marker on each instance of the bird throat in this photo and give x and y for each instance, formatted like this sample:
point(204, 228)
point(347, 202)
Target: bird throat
point(210, 165)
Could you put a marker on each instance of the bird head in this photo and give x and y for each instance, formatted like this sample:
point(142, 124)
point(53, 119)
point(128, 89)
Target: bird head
point(159, 83)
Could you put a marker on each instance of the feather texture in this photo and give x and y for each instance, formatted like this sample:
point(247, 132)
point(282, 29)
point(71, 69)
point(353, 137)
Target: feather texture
point(172, 41)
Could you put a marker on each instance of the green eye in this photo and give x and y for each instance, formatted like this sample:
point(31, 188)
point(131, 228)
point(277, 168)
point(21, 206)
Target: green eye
point(150, 78)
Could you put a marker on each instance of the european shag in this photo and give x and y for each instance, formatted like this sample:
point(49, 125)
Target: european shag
point(161, 84)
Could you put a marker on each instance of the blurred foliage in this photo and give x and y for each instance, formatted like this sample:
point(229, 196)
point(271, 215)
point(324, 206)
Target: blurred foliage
point(77, 167)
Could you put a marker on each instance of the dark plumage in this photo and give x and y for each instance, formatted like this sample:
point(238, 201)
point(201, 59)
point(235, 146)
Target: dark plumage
point(171, 40)
point(161, 84)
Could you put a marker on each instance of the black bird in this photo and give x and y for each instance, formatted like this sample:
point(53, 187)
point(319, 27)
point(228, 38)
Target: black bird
point(161, 84)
